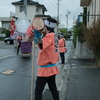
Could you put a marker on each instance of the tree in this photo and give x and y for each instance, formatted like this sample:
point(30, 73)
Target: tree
point(64, 31)
point(78, 31)
point(6, 31)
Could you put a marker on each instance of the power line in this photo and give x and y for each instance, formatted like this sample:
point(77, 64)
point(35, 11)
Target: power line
point(48, 7)
point(53, 5)
point(54, 10)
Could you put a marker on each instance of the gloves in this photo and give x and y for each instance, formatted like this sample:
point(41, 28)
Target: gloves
point(33, 33)
point(37, 34)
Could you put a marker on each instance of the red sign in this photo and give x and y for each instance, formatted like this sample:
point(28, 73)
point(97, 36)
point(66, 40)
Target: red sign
point(12, 26)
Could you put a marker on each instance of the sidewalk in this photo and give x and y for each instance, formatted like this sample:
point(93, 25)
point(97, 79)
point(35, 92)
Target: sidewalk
point(83, 81)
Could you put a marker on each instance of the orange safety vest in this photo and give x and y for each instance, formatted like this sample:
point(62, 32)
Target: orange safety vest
point(62, 45)
point(48, 56)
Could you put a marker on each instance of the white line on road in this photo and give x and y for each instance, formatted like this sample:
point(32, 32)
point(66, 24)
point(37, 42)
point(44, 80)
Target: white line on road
point(6, 56)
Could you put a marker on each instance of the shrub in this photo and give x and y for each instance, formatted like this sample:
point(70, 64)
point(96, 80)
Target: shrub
point(6, 31)
point(65, 32)
point(92, 35)
point(78, 32)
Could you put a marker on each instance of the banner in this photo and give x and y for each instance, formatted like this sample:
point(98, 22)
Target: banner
point(12, 26)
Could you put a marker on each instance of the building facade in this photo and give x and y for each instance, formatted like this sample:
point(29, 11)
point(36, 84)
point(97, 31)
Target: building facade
point(93, 10)
point(33, 8)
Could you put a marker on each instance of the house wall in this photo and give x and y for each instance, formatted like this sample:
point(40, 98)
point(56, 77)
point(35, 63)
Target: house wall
point(31, 11)
point(93, 9)
point(6, 25)
point(82, 50)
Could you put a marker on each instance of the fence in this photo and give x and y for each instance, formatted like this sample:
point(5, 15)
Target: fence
point(88, 20)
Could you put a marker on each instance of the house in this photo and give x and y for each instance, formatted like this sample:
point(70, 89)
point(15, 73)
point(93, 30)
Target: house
point(91, 13)
point(33, 9)
point(93, 10)
point(5, 22)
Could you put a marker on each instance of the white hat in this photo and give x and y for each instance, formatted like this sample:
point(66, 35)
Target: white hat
point(61, 35)
point(50, 22)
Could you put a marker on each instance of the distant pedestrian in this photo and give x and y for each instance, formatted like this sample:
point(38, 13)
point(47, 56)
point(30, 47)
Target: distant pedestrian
point(15, 38)
point(62, 48)
point(19, 38)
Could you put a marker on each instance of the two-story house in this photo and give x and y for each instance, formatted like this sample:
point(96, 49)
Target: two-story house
point(93, 10)
point(33, 9)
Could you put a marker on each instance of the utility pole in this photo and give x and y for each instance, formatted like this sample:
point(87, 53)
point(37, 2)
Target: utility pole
point(58, 18)
point(25, 6)
point(73, 21)
point(67, 19)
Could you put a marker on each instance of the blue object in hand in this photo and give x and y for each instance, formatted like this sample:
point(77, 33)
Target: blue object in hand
point(37, 35)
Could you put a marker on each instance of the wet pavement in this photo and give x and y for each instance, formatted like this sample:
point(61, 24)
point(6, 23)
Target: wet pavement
point(83, 78)
point(4, 47)
point(83, 81)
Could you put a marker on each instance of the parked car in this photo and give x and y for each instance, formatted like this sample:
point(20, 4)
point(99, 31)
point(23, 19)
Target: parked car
point(8, 40)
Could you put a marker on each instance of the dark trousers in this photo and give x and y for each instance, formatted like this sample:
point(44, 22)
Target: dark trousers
point(18, 48)
point(62, 56)
point(40, 84)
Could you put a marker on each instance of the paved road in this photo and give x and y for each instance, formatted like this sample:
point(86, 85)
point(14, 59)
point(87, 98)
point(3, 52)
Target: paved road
point(15, 74)
point(6, 49)
point(6, 46)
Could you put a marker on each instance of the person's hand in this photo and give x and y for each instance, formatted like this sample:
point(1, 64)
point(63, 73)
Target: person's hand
point(39, 41)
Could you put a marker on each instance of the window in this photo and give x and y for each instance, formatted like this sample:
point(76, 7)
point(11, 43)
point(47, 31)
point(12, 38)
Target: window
point(21, 8)
point(88, 15)
point(92, 8)
point(6, 25)
point(36, 9)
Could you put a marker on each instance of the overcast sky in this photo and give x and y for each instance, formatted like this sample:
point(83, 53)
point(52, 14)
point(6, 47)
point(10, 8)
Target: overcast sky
point(72, 6)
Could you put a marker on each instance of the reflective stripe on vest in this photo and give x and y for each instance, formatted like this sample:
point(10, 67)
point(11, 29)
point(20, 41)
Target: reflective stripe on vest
point(49, 65)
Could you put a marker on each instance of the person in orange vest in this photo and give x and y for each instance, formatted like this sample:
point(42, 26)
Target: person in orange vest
point(48, 57)
point(62, 48)
point(19, 38)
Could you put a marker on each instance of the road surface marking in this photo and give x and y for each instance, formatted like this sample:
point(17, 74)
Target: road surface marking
point(8, 72)
point(6, 56)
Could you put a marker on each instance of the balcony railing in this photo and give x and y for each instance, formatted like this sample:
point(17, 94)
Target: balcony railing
point(88, 19)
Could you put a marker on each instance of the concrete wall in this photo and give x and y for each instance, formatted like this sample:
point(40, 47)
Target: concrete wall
point(82, 51)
